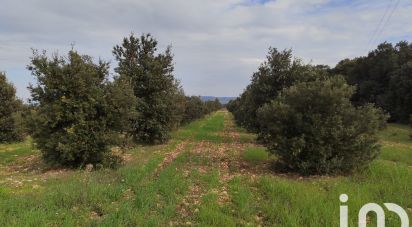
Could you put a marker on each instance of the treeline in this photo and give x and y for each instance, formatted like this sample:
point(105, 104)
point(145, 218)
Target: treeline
point(77, 114)
point(384, 77)
point(312, 118)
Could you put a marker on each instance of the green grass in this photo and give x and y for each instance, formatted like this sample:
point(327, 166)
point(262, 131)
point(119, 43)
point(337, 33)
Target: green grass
point(128, 196)
point(209, 130)
point(138, 194)
point(397, 144)
point(11, 152)
point(255, 155)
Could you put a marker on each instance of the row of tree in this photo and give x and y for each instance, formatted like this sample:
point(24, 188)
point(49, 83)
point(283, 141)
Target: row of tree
point(77, 113)
point(304, 115)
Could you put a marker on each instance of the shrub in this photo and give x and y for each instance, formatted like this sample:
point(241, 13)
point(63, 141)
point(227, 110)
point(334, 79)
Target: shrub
point(77, 113)
point(314, 129)
point(9, 108)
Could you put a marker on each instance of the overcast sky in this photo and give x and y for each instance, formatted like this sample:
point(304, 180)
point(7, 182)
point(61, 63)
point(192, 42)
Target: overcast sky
point(217, 44)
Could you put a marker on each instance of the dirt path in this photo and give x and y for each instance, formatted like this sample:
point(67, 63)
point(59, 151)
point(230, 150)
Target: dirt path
point(211, 167)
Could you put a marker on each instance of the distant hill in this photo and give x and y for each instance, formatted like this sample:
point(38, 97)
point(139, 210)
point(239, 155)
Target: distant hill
point(223, 100)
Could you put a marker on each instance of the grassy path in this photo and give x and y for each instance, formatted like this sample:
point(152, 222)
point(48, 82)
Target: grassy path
point(210, 174)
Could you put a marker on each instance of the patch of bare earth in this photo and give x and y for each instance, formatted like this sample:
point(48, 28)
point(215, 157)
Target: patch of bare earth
point(169, 157)
point(220, 156)
point(224, 157)
point(187, 207)
point(29, 171)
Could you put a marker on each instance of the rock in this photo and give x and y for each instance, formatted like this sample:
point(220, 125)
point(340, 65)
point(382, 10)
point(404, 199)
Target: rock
point(89, 167)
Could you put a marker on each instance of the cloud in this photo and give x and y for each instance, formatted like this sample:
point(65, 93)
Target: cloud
point(218, 44)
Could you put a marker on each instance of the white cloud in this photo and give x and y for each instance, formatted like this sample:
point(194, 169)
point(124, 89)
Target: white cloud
point(217, 43)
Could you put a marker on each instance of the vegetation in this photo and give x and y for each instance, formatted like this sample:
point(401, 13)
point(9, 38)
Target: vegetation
point(279, 71)
point(10, 107)
point(207, 184)
point(304, 115)
point(313, 128)
point(210, 172)
point(77, 113)
point(155, 88)
point(382, 77)
point(410, 124)
point(255, 155)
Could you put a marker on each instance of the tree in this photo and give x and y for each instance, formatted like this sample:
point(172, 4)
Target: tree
point(217, 105)
point(9, 107)
point(151, 76)
point(279, 71)
point(314, 129)
point(77, 113)
point(211, 106)
point(121, 100)
point(383, 77)
point(399, 93)
point(194, 110)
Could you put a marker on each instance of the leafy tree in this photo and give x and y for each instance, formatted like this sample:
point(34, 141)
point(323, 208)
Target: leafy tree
point(314, 129)
point(233, 105)
point(179, 107)
point(279, 71)
point(151, 76)
point(383, 77)
point(211, 106)
point(195, 109)
point(121, 100)
point(216, 105)
point(10, 105)
point(399, 93)
point(77, 113)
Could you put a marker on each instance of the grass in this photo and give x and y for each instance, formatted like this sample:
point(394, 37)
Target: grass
point(255, 155)
point(9, 153)
point(218, 177)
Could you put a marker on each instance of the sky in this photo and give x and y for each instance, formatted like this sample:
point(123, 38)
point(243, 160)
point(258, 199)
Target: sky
point(217, 44)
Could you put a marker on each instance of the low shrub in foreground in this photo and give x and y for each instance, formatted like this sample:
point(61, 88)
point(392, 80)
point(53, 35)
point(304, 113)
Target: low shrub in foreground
point(314, 129)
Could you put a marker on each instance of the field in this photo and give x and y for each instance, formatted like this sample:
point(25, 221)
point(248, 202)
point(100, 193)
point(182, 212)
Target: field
point(211, 173)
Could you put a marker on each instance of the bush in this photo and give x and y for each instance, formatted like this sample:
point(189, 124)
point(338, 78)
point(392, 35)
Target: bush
point(10, 130)
point(314, 129)
point(77, 113)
